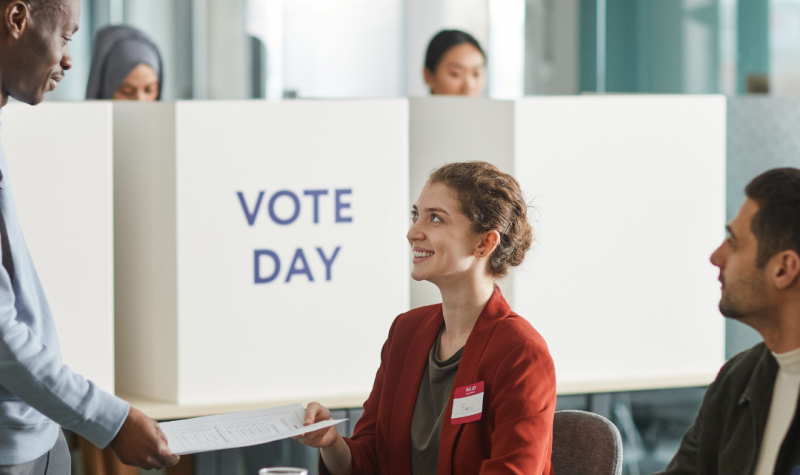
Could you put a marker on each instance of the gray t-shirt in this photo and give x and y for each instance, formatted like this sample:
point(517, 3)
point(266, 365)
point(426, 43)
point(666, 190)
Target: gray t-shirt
point(429, 411)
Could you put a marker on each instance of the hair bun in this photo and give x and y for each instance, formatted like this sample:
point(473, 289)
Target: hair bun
point(491, 200)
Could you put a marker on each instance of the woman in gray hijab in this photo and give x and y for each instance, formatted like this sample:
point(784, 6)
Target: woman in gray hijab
point(126, 65)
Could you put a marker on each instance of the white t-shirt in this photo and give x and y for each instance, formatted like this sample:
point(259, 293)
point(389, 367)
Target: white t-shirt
point(781, 410)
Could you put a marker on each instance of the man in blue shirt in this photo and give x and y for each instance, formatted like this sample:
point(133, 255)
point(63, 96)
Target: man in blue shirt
point(38, 394)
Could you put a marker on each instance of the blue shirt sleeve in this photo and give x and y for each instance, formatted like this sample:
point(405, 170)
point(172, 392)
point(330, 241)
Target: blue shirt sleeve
point(35, 374)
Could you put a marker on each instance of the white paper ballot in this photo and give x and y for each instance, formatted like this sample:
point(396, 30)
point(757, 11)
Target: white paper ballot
point(240, 429)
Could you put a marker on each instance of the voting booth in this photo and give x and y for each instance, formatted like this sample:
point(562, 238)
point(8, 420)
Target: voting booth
point(628, 203)
point(261, 249)
point(59, 158)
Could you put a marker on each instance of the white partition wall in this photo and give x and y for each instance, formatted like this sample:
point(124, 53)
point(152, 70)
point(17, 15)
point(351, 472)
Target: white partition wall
point(261, 251)
point(629, 198)
point(60, 167)
point(631, 204)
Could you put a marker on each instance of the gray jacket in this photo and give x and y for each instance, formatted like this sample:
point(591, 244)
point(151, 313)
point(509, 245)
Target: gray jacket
point(726, 437)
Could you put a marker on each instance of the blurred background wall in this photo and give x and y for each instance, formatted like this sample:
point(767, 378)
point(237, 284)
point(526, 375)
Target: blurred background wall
point(239, 49)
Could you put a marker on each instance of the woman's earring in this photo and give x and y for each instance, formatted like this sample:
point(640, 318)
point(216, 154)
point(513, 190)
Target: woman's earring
point(481, 252)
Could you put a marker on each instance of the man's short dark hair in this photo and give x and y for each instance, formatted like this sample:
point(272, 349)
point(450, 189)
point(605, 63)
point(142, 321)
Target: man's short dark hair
point(776, 225)
point(35, 6)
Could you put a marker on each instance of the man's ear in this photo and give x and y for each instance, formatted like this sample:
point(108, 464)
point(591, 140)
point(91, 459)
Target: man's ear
point(16, 17)
point(786, 269)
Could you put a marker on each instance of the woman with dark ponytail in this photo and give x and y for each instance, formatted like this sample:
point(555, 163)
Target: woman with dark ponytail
point(455, 64)
point(466, 386)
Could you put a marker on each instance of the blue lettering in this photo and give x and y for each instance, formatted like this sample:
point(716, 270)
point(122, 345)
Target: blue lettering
point(316, 194)
point(299, 256)
point(251, 217)
point(328, 263)
point(340, 206)
point(257, 266)
point(272, 201)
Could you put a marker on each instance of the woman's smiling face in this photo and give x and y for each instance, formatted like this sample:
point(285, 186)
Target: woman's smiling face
point(442, 239)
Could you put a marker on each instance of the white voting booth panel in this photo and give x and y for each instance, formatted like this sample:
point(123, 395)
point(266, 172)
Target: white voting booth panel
point(632, 204)
point(261, 251)
point(60, 170)
point(629, 198)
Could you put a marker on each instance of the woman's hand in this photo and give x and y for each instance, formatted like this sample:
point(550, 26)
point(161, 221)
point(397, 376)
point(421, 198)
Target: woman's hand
point(316, 412)
point(334, 450)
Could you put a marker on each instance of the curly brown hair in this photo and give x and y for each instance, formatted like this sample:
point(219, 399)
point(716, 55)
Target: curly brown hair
point(491, 200)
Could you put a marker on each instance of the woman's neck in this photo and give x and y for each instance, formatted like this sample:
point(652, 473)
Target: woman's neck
point(462, 304)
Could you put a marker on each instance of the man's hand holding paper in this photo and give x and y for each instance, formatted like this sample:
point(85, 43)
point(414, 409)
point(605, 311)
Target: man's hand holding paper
point(241, 429)
point(140, 442)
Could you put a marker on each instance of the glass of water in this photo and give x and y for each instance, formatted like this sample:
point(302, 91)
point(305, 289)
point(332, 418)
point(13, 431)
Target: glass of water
point(283, 471)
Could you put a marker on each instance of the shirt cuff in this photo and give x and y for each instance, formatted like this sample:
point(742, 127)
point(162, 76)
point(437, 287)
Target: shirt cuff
point(104, 418)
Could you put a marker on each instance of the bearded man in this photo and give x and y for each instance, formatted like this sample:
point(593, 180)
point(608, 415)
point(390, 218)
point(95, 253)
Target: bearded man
point(748, 423)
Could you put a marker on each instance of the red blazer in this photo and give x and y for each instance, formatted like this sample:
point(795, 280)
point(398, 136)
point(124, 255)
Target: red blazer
point(515, 432)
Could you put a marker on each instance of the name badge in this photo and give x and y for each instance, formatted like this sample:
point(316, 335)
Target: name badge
point(467, 404)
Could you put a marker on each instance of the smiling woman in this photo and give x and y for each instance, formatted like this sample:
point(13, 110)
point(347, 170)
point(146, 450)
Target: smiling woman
point(491, 200)
point(466, 386)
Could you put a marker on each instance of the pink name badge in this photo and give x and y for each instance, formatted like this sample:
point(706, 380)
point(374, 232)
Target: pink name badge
point(467, 404)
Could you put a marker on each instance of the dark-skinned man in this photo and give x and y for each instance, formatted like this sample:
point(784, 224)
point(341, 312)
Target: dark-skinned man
point(38, 394)
point(748, 423)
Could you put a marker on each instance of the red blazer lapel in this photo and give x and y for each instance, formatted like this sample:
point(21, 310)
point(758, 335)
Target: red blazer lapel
point(495, 310)
point(408, 388)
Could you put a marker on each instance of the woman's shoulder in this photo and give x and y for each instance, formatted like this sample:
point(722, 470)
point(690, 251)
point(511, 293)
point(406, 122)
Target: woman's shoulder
point(406, 325)
point(409, 322)
point(515, 331)
point(417, 315)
